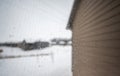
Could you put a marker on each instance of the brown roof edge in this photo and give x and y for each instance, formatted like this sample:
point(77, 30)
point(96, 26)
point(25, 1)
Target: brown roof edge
point(72, 15)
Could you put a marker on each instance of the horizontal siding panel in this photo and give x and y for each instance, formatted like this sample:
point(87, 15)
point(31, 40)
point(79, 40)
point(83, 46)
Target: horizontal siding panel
point(96, 38)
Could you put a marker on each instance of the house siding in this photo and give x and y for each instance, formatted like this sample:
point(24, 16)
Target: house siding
point(96, 38)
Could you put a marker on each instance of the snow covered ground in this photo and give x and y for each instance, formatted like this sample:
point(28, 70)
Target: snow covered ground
point(55, 62)
point(33, 20)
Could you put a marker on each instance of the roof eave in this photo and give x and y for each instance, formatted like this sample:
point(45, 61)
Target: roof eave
point(72, 15)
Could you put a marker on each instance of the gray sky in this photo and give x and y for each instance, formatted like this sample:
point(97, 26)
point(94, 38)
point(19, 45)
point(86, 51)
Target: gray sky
point(34, 19)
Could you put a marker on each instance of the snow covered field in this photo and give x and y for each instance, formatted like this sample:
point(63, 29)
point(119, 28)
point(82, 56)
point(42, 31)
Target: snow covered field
point(33, 20)
point(53, 61)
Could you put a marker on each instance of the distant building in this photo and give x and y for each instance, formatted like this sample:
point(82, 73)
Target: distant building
point(59, 41)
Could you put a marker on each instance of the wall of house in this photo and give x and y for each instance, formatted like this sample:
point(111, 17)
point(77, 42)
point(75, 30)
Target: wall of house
point(96, 38)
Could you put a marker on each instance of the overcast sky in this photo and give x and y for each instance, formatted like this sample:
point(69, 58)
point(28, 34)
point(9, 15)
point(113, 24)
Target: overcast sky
point(34, 19)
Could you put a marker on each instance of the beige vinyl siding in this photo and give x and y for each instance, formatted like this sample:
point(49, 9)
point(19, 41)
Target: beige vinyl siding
point(96, 38)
